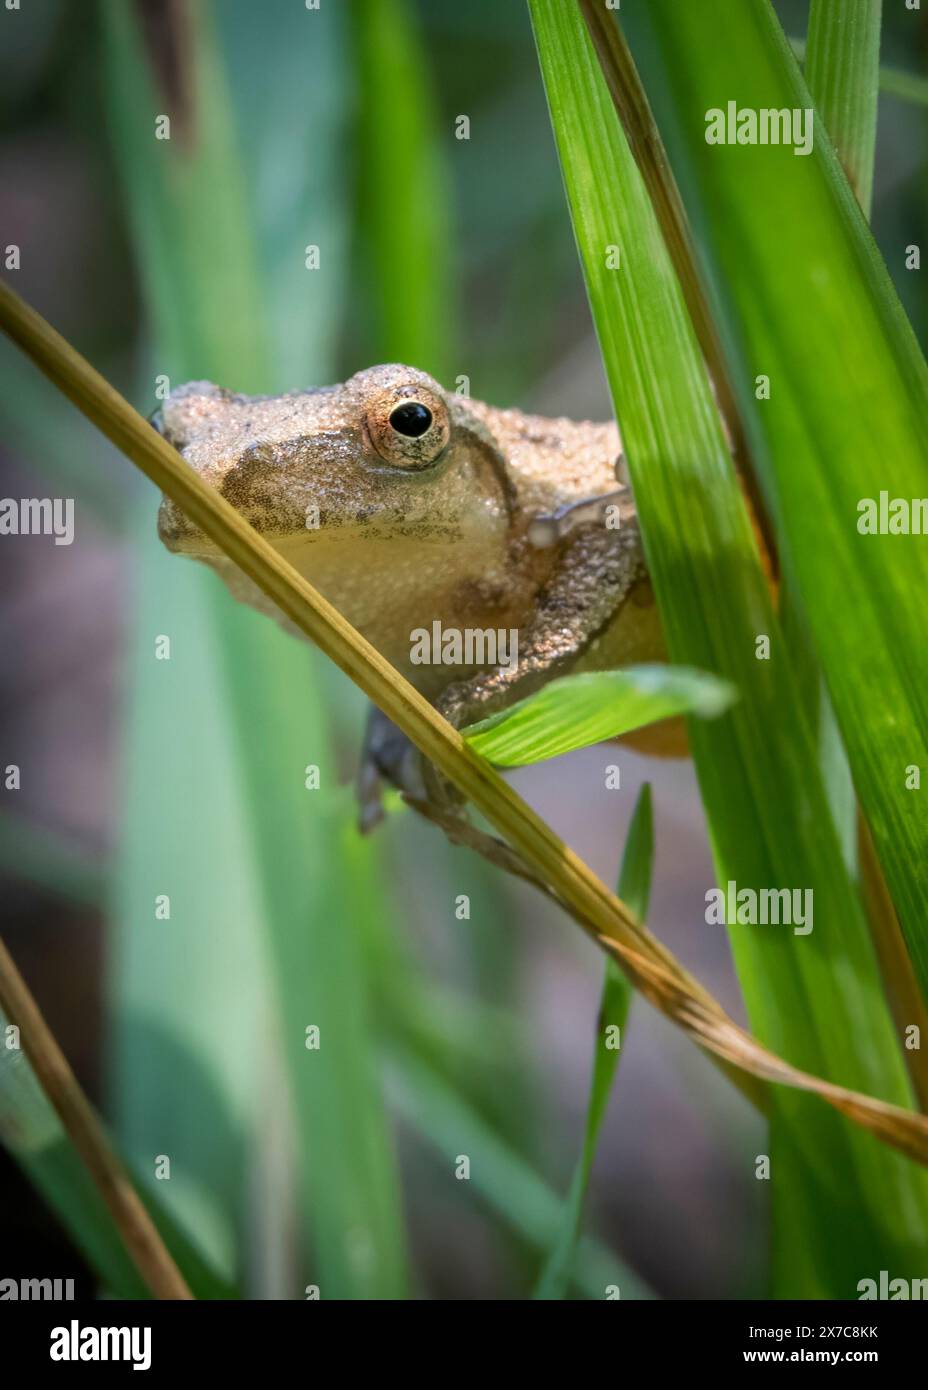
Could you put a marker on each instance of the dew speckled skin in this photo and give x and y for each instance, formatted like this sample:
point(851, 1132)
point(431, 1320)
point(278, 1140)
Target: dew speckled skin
point(414, 530)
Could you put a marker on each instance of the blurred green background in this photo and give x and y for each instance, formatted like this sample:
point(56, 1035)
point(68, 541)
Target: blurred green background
point(440, 1037)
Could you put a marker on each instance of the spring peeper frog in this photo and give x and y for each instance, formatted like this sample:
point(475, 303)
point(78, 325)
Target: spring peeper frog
point(408, 506)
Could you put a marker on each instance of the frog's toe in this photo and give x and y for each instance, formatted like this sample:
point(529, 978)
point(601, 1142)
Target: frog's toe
point(387, 756)
point(369, 793)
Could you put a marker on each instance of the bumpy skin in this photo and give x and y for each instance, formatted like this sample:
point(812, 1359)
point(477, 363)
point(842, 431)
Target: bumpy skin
point(398, 532)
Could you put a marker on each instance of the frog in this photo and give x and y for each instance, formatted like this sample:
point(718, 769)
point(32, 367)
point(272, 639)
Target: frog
point(408, 506)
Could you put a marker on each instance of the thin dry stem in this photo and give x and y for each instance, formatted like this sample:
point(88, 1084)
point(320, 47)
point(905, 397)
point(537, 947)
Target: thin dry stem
point(139, 1233)
point(655, 971)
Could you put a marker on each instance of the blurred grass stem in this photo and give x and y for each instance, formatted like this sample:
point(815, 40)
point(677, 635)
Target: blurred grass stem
point(136, 1227)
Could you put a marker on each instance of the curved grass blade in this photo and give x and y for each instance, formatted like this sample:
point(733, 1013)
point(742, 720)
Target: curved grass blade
point(652, 968)
point(575, 711)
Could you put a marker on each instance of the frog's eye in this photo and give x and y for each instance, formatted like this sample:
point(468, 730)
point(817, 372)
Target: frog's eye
point(409, 428)
point(412, 418)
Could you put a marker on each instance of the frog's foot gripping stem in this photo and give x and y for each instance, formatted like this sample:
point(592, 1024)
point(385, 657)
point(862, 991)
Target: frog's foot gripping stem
point(388, 756)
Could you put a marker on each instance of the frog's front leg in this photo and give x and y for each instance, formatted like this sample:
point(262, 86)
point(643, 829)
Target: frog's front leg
point(597, 572)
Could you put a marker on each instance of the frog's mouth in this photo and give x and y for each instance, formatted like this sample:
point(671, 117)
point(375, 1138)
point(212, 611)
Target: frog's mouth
point(182, 536)
point(264, 507)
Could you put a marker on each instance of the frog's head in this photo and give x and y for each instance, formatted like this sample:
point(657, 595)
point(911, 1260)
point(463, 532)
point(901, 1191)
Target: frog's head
point(386, 455)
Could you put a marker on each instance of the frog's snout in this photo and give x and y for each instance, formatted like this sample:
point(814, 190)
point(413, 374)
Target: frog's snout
point(178, 533)
point(179, 419)
point(175, 530)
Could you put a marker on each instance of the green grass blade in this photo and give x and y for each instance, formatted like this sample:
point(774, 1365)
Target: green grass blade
point(314, 889)
point(34, 420)
point(286, 846)
point(172, 1009)
point(828, 315)
point(403, 191)
point(180, 988)
point(842, 57)
point(185, 197)
point(842, 66)
point(893, 81)
point(635, 888)
point(505, 1182)
point(404, 247)
point(51, 860)
point(575, 711)
point(322, 960)
point(905, 86)
point(842, 78)
point(842, 70)
point(818, 997)
point(291, 112)
point(405, 306)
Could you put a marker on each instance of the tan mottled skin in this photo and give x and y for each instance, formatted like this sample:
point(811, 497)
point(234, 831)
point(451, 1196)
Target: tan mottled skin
point(411, 530)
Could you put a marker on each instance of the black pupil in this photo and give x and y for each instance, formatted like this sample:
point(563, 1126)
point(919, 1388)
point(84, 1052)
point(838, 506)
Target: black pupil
point(411, 419)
